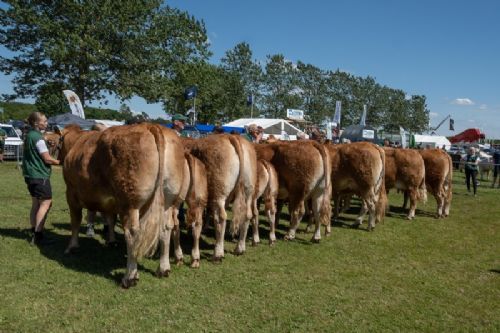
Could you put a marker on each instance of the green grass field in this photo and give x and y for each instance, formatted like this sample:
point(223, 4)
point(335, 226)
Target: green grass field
point(426, 275)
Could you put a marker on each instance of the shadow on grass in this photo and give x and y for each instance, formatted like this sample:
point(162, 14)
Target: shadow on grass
point(495, 271)
point(91, 257)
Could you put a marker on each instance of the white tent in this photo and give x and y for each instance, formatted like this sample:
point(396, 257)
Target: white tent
point(434, 141)
point(279, 128)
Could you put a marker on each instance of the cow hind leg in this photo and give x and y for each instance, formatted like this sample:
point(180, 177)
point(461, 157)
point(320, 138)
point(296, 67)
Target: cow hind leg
point(165, 234)
point(195, 252)
point(255, 223)
point(317, 203)
point(413, 204)
point(131, 227)
point(176, 232)
point(372, 217)
point(296, 213)
point(220, 217)
point(76, 220)
point(361, 215)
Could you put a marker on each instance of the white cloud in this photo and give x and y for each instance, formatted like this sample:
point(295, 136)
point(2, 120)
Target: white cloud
point(433, 114)
point(483, 107)
point(462, 101)
point(471, 121)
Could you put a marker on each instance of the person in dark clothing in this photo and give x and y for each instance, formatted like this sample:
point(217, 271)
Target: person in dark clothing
point(471, 169)
point(496, 166)
point(37, 164)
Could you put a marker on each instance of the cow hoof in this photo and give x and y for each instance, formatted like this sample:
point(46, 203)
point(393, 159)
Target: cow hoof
point(409, 218)
point(237, 252)
point(195, 263)
point(179, 262)
point(254, 243)
point(315, 240)
point(289, 237)
point(355, 226)
point(127, 283)
point(161, 274)
point(217, 260)
point(272, 242)
point(328, 234)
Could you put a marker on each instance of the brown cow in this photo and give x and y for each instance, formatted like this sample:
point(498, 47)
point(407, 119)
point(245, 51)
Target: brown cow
point(231, 167)
point(438, 178)
point(267, 187)
point(195, 193)
point(304, 173)
point(131, 171)
point(72, 133)
point(405, 170)
point(359, 169)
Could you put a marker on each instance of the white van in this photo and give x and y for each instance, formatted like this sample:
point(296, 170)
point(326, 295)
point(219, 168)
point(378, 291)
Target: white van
point(13, 148)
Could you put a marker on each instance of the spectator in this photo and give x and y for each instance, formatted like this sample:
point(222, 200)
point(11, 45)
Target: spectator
point(179, 122)
point(471, 169)
point(3, 135)
point(496, 166)
point(252, 133)
point(37, 164)
point(218, 129)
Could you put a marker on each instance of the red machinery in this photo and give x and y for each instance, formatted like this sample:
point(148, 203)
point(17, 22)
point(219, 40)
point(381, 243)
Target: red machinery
point(469, 135)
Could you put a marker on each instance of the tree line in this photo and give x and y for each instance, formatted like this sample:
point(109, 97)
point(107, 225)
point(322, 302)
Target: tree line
point(151, 50)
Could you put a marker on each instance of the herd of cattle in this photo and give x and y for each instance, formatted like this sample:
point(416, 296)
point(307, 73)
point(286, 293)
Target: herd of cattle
point(144, 172)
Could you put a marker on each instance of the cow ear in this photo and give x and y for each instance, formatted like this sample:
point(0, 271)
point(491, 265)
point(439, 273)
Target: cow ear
point(57, 130)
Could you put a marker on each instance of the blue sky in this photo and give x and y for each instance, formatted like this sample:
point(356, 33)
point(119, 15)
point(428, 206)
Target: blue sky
point(446, 50)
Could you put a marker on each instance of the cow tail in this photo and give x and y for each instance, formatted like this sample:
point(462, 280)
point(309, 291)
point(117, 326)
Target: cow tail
point(422, 190)
point(150, 223)
point(380, 186)
point(326, 210)
point(239, 203)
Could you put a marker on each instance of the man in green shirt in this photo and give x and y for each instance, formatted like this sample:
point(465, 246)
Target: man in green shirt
point(3, 135)
point(36, 171)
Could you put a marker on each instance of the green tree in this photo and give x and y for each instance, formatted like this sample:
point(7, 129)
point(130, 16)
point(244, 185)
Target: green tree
point(281, 86)
point(238, 61)
point(313, 86)
point(96, 47)
point(51, 100)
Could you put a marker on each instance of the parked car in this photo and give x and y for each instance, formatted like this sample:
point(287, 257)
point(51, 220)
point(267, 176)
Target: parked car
point(13, 148)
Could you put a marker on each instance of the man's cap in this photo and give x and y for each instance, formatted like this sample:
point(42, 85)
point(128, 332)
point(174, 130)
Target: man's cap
point(179, 116)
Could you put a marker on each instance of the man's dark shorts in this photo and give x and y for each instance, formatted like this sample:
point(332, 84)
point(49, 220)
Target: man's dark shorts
point(39, 188)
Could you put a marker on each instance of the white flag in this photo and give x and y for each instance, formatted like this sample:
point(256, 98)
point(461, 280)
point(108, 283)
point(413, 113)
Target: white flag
point(74, 103)
point(336, 117)
point(403, 137)
point(363, 117)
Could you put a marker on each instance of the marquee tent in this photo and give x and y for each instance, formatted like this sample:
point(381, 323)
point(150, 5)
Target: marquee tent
point(279, 128)
point(434, 141)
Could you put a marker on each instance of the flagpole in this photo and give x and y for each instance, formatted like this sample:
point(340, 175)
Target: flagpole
point(251, 108)
point(194, 108)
